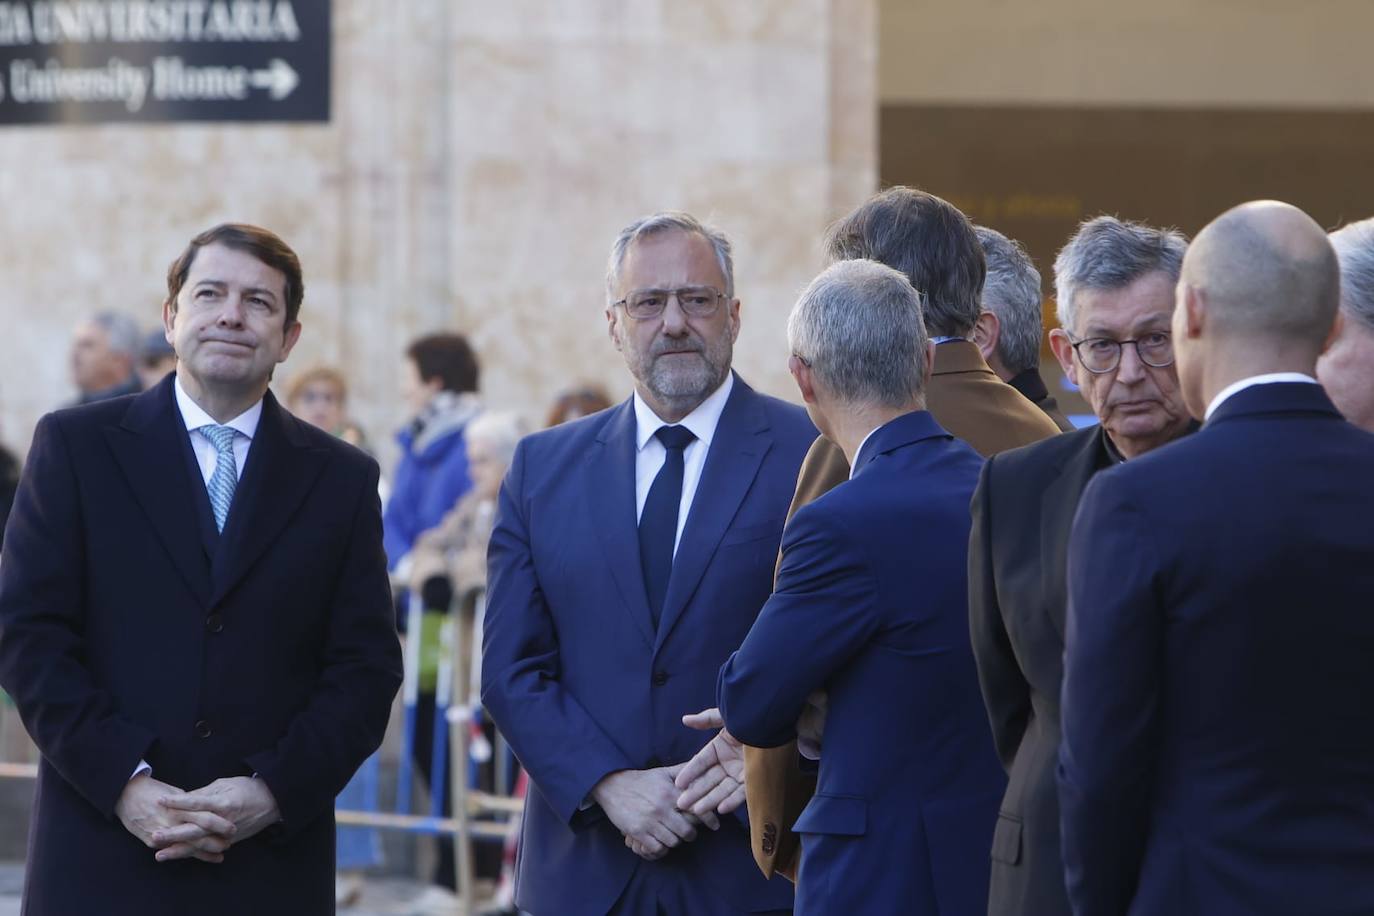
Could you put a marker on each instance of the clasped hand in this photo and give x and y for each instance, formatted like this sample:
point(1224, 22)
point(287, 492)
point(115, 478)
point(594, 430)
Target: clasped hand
point(641, 804)
point(195, 825)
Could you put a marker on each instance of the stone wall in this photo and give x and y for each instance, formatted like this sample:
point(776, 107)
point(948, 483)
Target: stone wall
point(480, 159)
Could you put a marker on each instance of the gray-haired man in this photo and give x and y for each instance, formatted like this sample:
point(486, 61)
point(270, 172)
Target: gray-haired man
point(631, 552)
point(1115, 294)
point(1346, 370)
point(105, 349)
point(869, 606)
point(1009, 330)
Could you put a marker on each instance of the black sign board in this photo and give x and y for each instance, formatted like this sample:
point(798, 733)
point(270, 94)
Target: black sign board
point(92, 61)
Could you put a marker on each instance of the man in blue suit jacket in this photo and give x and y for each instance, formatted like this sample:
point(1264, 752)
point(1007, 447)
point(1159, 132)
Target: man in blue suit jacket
point(632, 550)
point(1218, 726)
point(871, 606)
point(193, 597)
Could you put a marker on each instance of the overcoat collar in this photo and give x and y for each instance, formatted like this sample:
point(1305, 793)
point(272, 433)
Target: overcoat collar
point(279, 472)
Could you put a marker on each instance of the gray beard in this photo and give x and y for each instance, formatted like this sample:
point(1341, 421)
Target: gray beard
point(682, 388)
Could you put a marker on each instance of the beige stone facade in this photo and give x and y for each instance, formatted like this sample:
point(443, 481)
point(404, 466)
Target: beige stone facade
point(480, 159)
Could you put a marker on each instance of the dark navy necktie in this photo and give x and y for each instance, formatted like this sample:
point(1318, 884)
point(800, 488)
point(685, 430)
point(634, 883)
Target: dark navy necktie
point(658, 521)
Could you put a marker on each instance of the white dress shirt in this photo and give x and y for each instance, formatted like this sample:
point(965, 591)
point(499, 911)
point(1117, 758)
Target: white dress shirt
point(195, 417)
point(246, 424)
point(1268, 379)
point(651, 455)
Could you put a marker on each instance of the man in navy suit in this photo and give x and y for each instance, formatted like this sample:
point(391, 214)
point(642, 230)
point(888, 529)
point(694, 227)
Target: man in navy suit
point(195, 621)
point(1218, 726)
point(870, 606)
point(632, 550)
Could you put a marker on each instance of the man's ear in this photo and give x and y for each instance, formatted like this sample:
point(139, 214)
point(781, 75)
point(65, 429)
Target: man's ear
point(930, 365)
point(289, 338)
point(987, 330)
point(613, 327)
point(1194, 311)
point(1062, 347)
point(1337, 326)
point(169, 318)
point(801, 373)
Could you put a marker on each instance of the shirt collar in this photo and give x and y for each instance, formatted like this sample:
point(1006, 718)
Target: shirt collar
point(855, 469)
point(702, 421)
point(1267, 379)
point(195, 416)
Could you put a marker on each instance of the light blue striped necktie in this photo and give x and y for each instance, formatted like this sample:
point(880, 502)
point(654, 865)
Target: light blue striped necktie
point(226, 475)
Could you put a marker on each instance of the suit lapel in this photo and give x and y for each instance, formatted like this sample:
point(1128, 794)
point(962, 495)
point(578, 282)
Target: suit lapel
point(148, 450)
point(737, 450)
point(611, 508)
point(1059, 502)
point(280, 470)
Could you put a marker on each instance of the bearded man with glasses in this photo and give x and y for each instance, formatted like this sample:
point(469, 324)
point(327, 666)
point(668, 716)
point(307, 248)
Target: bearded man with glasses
point(1114, 285)
point(631, 553)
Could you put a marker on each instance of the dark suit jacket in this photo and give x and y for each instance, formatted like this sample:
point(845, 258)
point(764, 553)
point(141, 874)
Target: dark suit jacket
point(573, 672)
point(870, 606)
point(1218, 749)
point(1032, 388)
point(969, 401)
point(127, 633)
point(1022, 512)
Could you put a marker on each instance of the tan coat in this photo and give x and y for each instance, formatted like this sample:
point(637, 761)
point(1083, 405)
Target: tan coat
point(973, 404)
point(456, 547)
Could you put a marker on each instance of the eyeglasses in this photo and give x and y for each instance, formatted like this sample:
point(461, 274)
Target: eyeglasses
point(1103, 354)
point(695, 301)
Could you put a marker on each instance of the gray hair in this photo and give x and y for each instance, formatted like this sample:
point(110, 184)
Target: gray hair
point(1354, 246)
point(859, 327)
point(1012, 293)
point(1108, 253)
point(121, 332)
point(670, 221)
point(500, 429)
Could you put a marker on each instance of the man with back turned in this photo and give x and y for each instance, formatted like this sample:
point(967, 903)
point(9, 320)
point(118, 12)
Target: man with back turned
point(1217, 751)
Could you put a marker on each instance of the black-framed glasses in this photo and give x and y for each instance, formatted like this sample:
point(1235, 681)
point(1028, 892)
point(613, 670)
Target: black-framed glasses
point(695, 301)
point(1103, 354)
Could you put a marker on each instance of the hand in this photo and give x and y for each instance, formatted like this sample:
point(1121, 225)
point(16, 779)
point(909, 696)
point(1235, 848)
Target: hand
point(200, 835)
point(713, 780)
point(246, 803)
point(811, 725)
point(640, 804)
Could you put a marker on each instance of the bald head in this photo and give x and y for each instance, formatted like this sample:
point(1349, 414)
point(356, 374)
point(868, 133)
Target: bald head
point(1265, 270)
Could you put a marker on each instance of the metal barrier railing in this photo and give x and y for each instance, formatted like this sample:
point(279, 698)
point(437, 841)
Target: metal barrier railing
point(456, 711)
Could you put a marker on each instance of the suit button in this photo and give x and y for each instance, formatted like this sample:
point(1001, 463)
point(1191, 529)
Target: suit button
point(660, 678)
point(214, 623)
point(203, 729)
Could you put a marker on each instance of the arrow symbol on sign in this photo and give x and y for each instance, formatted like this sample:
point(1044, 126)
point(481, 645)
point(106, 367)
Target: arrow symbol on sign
point(278, 77)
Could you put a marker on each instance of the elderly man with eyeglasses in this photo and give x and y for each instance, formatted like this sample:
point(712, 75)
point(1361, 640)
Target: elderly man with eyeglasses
point(632, 550)
point(1114, 284)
